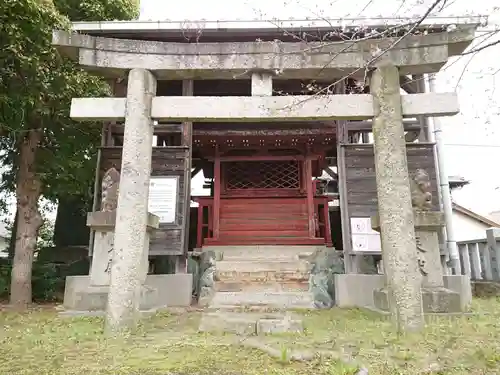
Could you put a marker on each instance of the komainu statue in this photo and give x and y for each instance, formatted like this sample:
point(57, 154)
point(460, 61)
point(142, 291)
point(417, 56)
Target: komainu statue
point(109, 190)
point(421, 196)
point(208, 272)
point(325, 263)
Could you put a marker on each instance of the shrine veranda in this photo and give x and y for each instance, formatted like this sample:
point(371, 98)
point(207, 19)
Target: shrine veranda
point(235, 104)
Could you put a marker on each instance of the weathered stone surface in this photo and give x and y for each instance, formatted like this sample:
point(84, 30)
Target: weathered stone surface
point(325, 263)
point(109, 190)
point(284, 325)
point(263, 299)
point(264, 108)
point(193, 268)
point(416, 54)
point(441, 300)
point(247, 323)
point(429, 258)
point(238, 323)
point(262, 83)
point(434, 300)
point(102, 257)
point(132, 212)
point(157, 291)
point(208, 276)
point(421, 191)
point(394, 201)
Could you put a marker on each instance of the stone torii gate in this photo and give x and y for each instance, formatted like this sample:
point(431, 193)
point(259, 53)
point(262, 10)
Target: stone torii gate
point(145, 62)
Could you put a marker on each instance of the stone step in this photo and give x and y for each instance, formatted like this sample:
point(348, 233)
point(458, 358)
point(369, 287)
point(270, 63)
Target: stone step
point(252, 286)
point(262, 252)
point(263, 276)
point(279, 300)
point(262, 265)
point(244, 323)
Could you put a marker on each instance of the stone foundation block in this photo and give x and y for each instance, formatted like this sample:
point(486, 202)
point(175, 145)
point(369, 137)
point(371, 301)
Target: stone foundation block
point(240, 324)
point(270, 326)
point(95, 299)
point(440, 300)
point(434, 300)
point(158, 291)
point(354, 290)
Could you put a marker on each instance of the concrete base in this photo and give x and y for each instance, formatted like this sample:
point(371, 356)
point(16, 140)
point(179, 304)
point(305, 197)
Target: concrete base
point(158, 291)
point(353, 290)
point(436, 300)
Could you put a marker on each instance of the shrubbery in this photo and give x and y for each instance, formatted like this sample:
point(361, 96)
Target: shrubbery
point(47, 280)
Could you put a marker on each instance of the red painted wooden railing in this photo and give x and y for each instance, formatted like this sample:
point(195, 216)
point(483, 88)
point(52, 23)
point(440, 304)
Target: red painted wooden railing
point(205, 221)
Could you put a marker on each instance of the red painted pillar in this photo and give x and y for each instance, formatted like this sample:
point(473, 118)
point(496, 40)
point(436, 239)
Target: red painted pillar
point(217, 187)
point(309, 196)
point(199, 227)
point(328, 233)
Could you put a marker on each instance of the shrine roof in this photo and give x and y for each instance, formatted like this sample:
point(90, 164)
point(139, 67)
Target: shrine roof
point(247, 30)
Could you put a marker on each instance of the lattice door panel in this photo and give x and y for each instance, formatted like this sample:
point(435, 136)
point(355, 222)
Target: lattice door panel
point(262, 175)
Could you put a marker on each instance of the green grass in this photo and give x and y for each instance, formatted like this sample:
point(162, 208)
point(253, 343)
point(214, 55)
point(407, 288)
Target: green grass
point(40, 342)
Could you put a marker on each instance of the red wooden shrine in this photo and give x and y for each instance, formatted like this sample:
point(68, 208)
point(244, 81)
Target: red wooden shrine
point(263, 188)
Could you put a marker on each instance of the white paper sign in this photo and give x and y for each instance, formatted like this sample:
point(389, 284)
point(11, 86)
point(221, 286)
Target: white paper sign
point(163, 198)
point(364, 238)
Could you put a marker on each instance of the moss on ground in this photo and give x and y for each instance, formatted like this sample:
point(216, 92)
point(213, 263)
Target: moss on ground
point(40, 342)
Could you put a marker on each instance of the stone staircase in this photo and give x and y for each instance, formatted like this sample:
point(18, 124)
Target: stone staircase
point(259, 280)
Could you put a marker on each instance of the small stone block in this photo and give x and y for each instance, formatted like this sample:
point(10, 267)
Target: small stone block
point(228, 287)
point(441, 300)
point(153, 221)
point(102, 220)
point(96, 299)
point(270, 326)
point(106, 220)
point(381, 299)
point(434, 300)
point(226, 322)
point(424, 220)
point(428, 220)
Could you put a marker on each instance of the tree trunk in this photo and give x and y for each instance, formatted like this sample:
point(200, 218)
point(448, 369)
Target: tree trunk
point(28, 190)
point(12, 241)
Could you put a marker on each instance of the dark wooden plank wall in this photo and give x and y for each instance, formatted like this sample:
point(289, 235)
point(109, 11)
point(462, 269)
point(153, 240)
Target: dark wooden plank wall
point(360, 176)
point(167, 161)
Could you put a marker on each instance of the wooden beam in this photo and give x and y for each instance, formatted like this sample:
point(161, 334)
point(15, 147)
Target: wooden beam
point(264, 109)
point(187, 141)
point(195, 171)
point(217, 191)
point(257, 158)
point(265, 133)
point(358, 126)
point(331, 173)
point(409, 85)
point(310, 197)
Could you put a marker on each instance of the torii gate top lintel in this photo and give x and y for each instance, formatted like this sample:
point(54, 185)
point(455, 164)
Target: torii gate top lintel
point(113, 48)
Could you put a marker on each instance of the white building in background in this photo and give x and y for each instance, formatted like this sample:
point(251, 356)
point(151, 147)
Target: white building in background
point(467, 224)
point(4, 240)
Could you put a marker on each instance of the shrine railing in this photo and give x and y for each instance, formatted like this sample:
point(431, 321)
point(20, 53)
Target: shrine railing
point(480, 259)
point(205, 225)
point(205, 221)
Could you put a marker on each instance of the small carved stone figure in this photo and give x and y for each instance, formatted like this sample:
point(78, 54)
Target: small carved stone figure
point(193, 268)
point(325, 263)
point(109, 190)
point(421, 196)
point(208, 278)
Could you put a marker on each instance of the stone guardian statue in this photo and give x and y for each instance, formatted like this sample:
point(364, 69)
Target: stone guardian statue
point(109, 190)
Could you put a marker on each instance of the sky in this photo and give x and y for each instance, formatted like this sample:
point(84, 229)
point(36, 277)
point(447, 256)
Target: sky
point(472, 141)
